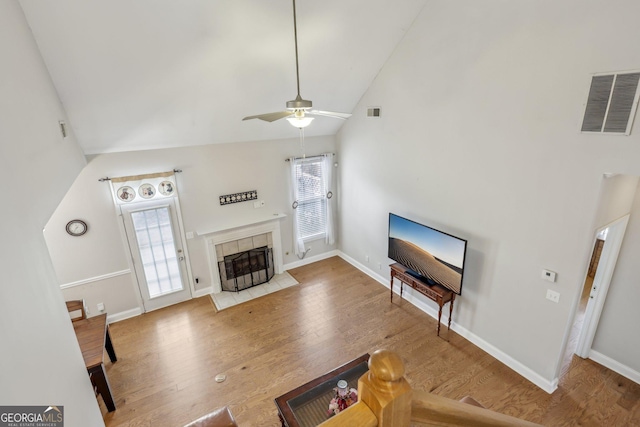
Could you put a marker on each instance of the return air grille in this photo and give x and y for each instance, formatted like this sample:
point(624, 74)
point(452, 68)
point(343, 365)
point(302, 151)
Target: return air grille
point(611, 104)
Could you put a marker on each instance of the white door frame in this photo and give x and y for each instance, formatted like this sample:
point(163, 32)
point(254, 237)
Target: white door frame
point(601, 283)
point(179, 236)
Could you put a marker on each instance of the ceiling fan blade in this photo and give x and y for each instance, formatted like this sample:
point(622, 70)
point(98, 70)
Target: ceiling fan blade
point(271, 117)
point(342, 116)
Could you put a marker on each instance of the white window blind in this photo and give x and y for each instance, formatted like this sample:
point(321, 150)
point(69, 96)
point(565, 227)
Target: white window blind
point(312, 203)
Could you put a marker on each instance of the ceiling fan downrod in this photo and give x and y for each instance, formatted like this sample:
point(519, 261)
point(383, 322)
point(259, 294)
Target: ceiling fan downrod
point(297, 103)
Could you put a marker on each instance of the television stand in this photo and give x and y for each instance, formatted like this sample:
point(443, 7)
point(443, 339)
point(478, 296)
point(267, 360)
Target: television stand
point(437, 293)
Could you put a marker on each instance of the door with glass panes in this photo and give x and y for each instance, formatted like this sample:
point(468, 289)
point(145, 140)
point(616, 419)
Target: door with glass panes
point(157, 253)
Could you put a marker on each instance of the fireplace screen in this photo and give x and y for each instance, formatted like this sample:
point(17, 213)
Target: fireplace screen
point(246, 269)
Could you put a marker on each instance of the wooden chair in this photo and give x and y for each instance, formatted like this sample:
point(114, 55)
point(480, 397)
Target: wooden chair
point(221, 417)
point(73, 307)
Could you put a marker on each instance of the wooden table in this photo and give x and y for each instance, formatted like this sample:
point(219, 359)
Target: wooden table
point(308, 404)
point(93, 337)
point(437, 293)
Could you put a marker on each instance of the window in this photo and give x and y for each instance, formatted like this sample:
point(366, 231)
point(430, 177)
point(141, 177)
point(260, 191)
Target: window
point(311, 211)
point(311, 198)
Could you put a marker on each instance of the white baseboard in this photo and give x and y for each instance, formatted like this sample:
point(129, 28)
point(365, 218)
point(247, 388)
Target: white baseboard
point(364, 269)
point(112, 318)
point(422, 303)
point(615, 366)
point(310, 260)
point(202, 292)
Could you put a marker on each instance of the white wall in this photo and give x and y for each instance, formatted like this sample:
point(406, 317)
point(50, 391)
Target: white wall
point(615, 200)
point(41, 360)
point(208, 172)
point(478, 136)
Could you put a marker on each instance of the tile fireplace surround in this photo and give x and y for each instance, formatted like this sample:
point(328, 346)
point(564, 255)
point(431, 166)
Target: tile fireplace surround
point(237, 239)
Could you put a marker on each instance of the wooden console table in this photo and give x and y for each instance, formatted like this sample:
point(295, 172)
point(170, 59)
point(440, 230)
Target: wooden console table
point(93, 338)
point(437, 293)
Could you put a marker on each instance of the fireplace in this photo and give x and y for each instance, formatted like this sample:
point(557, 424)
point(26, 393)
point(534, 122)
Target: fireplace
point(246, 269)
point(233, 240)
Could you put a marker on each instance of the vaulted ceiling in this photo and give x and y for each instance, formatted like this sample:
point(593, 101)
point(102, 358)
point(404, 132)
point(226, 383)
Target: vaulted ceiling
point(144, 74)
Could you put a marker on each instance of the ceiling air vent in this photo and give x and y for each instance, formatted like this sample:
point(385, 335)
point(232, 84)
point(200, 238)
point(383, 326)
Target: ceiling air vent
point(612, 103)
point(373, 112)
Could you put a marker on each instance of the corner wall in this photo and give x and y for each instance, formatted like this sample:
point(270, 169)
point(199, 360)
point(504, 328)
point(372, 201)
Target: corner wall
point(41, 360)
point(479, 137)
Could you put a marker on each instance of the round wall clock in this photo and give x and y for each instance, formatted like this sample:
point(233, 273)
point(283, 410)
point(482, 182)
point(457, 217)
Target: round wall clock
point(77, 227)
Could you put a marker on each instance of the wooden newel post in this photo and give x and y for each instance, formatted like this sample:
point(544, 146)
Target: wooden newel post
point(385, 391)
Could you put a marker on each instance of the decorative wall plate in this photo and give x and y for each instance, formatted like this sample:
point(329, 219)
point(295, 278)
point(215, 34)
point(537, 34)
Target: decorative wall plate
point(166, 188)
point(126, 194)
point(147, 191)
point(76, 227)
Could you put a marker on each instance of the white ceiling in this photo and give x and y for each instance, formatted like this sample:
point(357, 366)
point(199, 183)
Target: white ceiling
point(143, 74)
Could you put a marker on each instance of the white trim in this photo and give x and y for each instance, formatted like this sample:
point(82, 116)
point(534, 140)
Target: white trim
point(94, 279)
point(375, 276)
point(421, 303)
point(601, 283)
point(112, 318)
point(236, 224)
point(203, 292)
point(311, 260)
point(615, 366)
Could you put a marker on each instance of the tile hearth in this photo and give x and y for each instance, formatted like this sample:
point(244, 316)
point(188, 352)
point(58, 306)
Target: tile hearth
point(224, 300)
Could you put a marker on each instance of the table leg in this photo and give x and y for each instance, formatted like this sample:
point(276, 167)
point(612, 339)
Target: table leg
point(439, 316)
point(109, 347)
point(391, 286)
point(453, 298)
point(282, 421)
point(99, 376)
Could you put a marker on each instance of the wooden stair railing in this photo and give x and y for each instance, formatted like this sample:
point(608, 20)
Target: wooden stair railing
point(385, 399)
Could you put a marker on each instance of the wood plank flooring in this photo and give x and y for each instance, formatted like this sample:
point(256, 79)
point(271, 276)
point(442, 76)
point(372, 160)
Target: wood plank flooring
point(168, 359)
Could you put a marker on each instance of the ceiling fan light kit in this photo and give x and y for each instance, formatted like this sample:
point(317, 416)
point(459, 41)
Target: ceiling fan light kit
point(298, 108)
point(300, 122)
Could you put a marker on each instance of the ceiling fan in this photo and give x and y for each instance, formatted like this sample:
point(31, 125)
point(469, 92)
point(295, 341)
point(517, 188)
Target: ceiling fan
point(299, 109)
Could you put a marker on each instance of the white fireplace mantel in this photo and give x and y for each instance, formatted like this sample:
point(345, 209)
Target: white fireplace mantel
point(237, 232)
point(238, 223)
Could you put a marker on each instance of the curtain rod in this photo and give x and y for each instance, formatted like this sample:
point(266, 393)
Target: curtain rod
point(106, 178)
point(309, 157)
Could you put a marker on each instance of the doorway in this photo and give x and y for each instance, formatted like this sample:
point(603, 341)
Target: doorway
point(157, 253)
point(606, 247)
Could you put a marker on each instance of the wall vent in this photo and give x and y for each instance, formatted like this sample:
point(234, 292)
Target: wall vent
point(373, 112)
point(612, 103)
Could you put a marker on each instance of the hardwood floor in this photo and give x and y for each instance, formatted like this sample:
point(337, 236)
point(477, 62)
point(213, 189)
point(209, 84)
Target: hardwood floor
point(168, 359)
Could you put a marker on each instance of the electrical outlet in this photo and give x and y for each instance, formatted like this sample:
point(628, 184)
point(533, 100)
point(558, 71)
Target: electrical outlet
point(366, 258)
point(553, 296)
point(379, 266)
point(101, 307)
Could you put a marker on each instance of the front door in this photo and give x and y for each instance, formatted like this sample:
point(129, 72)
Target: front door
point(157, 253)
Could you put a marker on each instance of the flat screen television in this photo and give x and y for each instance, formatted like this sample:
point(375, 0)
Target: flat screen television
point(430, 255)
